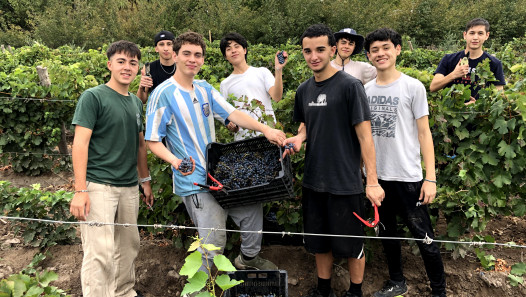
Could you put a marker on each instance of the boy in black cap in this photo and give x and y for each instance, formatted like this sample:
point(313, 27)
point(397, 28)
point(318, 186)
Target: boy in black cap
point(160, 70)
point(349, 43)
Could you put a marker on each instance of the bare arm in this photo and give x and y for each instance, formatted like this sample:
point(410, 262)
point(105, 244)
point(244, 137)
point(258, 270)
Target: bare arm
point(142, 168)
point(245, 121)
point(144, 86)
point(373, 191)
point(162, 152)
point(276, 91)
point(428, 191)
point(80, 204)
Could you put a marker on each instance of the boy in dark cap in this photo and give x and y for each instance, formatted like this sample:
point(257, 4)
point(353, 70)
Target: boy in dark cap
point(160, 70)
point(349, 43)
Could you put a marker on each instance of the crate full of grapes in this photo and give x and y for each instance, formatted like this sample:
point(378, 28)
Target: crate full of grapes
point(259, 283)
point(251, 171)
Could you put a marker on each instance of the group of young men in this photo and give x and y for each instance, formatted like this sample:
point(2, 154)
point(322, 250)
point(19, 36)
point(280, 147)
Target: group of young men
point(382, 125)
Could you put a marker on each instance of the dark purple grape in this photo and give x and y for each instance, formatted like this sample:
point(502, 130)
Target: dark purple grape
point(289, 146)
point(186, 165)
point(281, 58)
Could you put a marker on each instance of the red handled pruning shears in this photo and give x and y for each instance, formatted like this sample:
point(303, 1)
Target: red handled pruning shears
point(216, 187)
point(370, 222)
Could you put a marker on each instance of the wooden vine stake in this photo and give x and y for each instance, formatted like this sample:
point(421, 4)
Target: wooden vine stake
point(43, 76)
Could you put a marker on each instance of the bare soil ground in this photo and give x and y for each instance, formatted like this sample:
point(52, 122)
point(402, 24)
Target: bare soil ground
point(159, 262)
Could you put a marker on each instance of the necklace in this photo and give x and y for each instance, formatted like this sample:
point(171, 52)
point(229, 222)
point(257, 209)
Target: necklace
point(169, 73)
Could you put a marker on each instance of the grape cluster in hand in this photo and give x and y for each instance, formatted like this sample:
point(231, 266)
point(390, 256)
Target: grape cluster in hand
point(186, 165)
point(281, 58)
point(289, 146)
point(241, 170)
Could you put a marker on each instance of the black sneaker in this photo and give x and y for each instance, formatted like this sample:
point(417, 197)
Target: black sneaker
point(349, 294)
point(315, 293)
point(392, 289)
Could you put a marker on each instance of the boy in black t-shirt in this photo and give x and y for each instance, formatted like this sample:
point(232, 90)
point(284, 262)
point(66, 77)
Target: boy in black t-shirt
point(451, 70)
point(335, 119)
point(160, 70)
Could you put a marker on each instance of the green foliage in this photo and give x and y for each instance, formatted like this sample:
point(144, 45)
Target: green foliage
point(91, 23)
point(37, 204)
point(31, 283)
point(201, 281)
point(487, 261)
point(516, 274)
point(484, 178)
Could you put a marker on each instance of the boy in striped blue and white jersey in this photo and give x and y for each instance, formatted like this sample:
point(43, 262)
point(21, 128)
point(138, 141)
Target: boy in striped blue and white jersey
point(182, 110)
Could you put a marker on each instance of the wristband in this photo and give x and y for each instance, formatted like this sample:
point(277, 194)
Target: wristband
point(81, 191)
point(143, 180)
point(431, 181)
point(377, 185)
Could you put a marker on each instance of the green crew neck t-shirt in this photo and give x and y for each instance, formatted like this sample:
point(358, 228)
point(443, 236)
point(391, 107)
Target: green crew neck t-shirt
point(115, 121)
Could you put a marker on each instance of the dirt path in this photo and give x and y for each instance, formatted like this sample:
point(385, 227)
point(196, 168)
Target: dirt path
point(159, 262)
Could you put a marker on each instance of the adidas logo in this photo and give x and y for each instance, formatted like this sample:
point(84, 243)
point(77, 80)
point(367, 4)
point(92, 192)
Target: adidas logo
point(195, 100)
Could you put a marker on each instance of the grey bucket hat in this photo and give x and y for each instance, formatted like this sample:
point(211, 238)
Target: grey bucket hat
point(352, 35)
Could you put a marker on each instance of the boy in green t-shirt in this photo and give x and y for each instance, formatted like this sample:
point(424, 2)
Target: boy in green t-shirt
point(109, 156)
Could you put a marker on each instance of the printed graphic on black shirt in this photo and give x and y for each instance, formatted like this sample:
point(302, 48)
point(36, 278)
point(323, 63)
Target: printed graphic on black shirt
point(383, 115)
point(320, 101)
point(466, 80)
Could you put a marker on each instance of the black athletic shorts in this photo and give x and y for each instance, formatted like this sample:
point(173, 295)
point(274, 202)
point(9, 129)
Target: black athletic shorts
point(325, 213)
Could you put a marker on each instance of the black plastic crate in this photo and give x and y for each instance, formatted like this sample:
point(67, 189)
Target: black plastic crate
point(278, 189)
point(258, 283)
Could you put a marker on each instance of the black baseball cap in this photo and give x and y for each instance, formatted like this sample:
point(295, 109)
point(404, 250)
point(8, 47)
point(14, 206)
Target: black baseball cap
point(163, 35)
point(352, 35)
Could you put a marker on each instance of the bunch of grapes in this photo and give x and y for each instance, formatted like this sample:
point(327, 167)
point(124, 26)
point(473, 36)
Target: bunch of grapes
point(289, 146)
point(281, 57)
point(237, 171)
point(186, 165)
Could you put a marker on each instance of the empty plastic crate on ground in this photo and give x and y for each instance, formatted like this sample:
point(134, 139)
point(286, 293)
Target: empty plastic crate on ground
point(277, 189)
point(259, 283)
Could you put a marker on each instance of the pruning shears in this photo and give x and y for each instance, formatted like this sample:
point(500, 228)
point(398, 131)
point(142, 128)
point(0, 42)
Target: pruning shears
point(217, 186)
point(370, 222)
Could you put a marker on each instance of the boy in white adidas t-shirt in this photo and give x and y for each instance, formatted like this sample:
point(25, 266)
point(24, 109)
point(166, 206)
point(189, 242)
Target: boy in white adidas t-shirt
point(400, 126)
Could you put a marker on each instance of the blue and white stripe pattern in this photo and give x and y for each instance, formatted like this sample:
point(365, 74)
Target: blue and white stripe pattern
point(186, 119)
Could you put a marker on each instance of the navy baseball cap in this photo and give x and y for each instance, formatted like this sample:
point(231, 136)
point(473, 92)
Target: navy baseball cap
point(163, 35)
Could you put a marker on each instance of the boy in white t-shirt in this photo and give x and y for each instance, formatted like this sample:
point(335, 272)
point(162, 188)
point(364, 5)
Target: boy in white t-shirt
point(399, 120)
point(250, 83)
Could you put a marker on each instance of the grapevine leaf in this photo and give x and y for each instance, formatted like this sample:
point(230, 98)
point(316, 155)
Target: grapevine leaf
point(520, 210)
point(490, 158)
point(501, 126)
point(506, 150)
point(210, 247)
point(518, 269)
point(192, 263)
point(225, 283)
point(515, 280)
point(195, 283)
point(500, 180)
point(223, 264)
